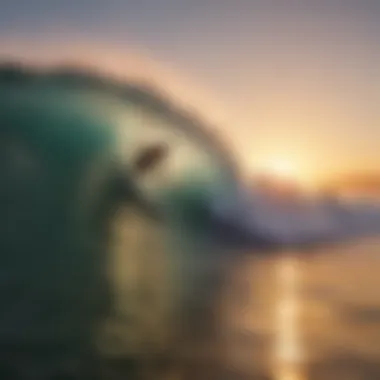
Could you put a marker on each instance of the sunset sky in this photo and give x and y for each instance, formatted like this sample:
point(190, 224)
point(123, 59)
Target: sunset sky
point(293, 84)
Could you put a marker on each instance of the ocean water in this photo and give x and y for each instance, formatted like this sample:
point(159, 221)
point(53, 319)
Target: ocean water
point(293, 315)
point(304, 315)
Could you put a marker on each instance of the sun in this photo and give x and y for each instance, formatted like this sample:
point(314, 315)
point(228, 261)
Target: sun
point(280, 168)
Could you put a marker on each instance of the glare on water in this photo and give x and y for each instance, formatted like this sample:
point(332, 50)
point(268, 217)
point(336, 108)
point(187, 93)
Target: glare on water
point(288, 351)
point(307, 315)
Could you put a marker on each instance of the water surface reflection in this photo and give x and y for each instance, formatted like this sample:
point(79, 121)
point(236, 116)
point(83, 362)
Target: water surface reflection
point(306, 315)
point(288, 350)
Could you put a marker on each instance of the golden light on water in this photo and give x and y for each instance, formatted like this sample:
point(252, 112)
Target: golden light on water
point(288, 351)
